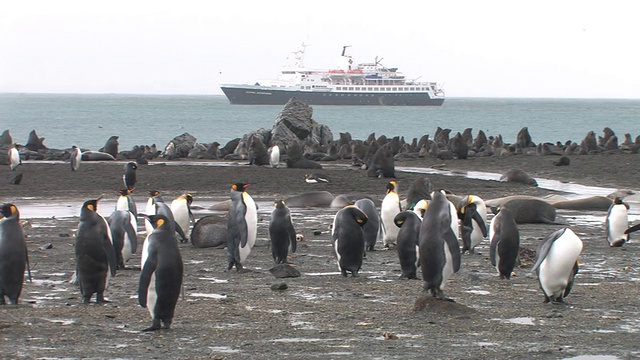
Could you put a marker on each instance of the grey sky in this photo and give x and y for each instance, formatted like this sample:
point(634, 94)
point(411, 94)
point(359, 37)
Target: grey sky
point(475, 48)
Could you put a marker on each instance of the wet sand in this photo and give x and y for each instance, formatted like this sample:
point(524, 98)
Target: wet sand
point(321, 314)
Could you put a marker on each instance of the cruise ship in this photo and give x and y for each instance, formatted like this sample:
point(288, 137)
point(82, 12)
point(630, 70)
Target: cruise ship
point(348, 84)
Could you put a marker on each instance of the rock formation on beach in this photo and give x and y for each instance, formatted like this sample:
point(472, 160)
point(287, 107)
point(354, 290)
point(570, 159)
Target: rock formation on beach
point(304, 142)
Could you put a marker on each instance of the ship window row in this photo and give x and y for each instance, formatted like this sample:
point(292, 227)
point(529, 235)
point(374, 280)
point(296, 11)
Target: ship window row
point(365, 88)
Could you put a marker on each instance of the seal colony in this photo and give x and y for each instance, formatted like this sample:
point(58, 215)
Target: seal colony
point(246, 297)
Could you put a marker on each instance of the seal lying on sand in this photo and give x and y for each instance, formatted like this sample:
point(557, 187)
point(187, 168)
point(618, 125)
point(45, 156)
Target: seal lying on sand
point(530, 211)
point(518, 176)
point(596, 203)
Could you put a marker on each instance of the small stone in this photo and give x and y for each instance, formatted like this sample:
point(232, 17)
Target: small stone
point(46, 246)
point(284, 271)
point(279, 287)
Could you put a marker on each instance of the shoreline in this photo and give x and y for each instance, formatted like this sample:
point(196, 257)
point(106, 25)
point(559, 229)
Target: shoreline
point(238, 315)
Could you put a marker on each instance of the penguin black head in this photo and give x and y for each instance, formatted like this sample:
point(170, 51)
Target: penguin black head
point(131, 165)
point(91, 205)
point(189, 198)
point(8, 210)
point(279, 204)
point(391, 186)
point(239, 186)
point(157, 221)
point(154, 192)
point(617, 200)
point(125, 192)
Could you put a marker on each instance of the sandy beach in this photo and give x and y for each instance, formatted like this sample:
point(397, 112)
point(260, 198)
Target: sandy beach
point(229, 315)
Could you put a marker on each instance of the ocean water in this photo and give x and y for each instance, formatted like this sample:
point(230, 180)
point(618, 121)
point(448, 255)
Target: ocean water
point(89, 120)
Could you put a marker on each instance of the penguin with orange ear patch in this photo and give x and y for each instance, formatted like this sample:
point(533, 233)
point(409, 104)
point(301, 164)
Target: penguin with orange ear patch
point(348, 239)
point(242, 224)
point(161, 274)
point(95, 254)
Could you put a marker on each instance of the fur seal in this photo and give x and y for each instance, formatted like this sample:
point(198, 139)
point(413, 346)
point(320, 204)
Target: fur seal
point(518, 176)
point(310, 199)
point(531, 211)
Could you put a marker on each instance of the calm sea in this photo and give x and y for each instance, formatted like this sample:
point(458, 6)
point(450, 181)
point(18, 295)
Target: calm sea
point(89, 120)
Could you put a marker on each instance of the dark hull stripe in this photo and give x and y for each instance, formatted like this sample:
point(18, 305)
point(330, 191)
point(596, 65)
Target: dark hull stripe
point(280, 97)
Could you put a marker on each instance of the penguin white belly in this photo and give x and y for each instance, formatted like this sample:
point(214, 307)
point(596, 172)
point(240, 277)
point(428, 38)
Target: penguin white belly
point(447, 269)
point(417, 256)
point(122, 203)
point(496, 256)
point(476, 235)
point(14, 158)
point(152, 295)
point(181, 215)
point(274, 159)
point(335, 247)
point(145, 251)
point(388, 210)
point(127, 248)
point(150, 209)
point(558, 264)
point(251, 218)
point(618, 222)
point(455, 226)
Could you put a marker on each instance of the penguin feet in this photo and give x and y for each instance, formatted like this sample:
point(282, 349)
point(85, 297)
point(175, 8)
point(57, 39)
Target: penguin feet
point(154, 326)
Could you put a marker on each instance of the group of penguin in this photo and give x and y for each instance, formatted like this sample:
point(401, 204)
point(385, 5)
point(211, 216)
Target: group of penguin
point(426, 235)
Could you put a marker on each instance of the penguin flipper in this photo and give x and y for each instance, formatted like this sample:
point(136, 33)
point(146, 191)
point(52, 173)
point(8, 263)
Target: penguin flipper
point(145, 280)
point(572, 276)
point(543, 250)
point(180, 232)
point(454, 248)
point(192, 217)
point(493, 247)
point(480, 221)
point(291, 232)
point(629, 230)
point(107, 245)
point(128, 227)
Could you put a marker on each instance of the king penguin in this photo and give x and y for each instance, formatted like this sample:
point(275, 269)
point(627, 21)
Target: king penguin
point(409, 223)
point(125, 201)
point(129, 175)
point(242, 224)
point(388, 210)
point(75, 158)
point(348, 239)
point(157, 206)
point(14, 158)
point(181, 209)
point(150, 209)
point(274, 156)
point(439, 249)
point(473, 215)
point(124, 233)
point(14, 257)
point(557, 264)
point(372, 228)
point(281, 232)
point(161, 274)
point(617, 222)
point(505, 242)
point(95, 254)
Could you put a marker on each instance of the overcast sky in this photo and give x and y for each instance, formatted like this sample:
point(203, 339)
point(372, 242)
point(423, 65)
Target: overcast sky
point(581, 49)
